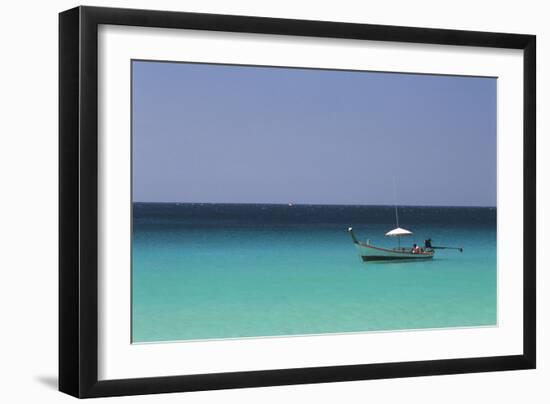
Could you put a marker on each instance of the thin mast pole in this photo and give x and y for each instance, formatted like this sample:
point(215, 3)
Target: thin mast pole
point(396, 214)
point(395, 203)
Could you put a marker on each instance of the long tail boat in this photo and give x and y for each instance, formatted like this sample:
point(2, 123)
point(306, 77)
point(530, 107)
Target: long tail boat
point(369, 252)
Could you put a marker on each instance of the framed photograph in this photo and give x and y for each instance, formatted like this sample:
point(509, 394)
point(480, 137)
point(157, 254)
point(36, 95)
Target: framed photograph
point(250, 201)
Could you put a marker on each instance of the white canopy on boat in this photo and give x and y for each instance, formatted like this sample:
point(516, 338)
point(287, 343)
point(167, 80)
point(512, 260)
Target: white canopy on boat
point(399, 232)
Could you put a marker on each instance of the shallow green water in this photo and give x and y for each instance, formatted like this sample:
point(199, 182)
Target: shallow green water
point(226, 271)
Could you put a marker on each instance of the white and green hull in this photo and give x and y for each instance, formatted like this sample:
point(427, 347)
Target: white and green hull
point(372, 253)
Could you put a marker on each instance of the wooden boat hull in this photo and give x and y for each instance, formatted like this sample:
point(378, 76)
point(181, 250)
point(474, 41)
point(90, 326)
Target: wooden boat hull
point(372, 253)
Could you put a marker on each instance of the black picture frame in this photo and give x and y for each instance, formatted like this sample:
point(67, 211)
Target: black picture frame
point(78, 201)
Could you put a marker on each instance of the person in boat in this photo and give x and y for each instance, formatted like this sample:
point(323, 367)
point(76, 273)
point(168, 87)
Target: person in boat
point(416, 249)
point(428, 243)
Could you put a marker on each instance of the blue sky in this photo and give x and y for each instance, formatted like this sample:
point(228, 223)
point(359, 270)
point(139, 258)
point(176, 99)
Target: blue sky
point(243, 134)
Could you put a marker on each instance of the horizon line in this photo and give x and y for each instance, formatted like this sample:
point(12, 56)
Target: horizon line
point(315, 204)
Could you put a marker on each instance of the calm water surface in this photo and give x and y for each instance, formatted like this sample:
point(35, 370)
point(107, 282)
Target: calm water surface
point(228, 270)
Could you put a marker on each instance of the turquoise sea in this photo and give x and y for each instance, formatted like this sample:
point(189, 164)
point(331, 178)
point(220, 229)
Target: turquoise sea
point(203, 271)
